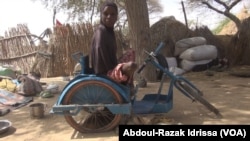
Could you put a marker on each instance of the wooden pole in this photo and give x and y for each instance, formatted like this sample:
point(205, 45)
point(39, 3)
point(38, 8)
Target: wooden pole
point(185, 16)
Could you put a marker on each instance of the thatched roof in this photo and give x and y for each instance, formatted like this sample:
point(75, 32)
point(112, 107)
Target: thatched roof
point(170, 31)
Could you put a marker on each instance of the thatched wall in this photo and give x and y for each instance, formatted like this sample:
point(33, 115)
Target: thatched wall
point(17, 48)
point(68, 40)
point(239, 47)
point(52, 58)
point(65, 41)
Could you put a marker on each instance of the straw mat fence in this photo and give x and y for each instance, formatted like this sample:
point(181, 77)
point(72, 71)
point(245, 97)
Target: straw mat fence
point(18, 49)
point(50, 58)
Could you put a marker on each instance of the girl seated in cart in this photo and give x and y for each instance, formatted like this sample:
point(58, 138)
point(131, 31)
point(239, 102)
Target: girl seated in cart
point(104, 59)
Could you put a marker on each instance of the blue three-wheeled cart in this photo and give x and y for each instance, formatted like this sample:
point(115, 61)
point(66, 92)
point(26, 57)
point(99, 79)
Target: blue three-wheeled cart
point(93, 103)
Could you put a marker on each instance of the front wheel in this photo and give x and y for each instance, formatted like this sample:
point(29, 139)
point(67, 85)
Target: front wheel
point(92, 119)
point(196, 95)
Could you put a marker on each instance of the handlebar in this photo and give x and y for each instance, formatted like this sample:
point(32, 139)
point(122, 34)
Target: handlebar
point(161, 45)
point(153, 54)
point(141, 67)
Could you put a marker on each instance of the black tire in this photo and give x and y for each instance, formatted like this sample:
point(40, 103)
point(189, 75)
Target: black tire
point(196, 95)
point(163, 62)
point(92, 119)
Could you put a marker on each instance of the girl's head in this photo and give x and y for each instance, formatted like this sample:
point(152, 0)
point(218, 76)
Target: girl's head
point(109, 14)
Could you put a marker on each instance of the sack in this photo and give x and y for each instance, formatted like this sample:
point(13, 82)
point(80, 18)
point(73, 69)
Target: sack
point(189, 65)
point(52, 88)
point(176, 70)
point(184, 44)
point(172, 62)
point(202, 52)
point(28, 86)
point(8, 84)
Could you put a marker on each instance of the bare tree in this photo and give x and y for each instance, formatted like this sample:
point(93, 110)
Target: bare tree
point(223, 7)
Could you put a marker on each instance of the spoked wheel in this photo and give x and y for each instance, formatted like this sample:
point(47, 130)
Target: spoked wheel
point(195, 94)
point(92, 119)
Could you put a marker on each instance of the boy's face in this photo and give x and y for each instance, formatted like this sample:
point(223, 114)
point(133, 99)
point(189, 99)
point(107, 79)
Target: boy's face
point(109, 16)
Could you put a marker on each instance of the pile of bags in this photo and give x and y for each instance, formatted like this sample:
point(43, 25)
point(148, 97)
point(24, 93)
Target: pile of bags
point(25, 84)
point(193, 52)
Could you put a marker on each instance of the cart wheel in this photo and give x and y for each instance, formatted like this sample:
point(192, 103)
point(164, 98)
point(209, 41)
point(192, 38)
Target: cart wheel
point(92, 119)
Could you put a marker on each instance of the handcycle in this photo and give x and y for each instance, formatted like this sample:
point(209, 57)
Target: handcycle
point(93, 103)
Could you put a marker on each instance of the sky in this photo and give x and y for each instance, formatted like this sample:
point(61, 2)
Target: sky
point(38, 18)
point(34, 14)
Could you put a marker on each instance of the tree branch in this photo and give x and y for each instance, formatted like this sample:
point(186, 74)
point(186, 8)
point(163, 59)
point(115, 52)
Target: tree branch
point(228, 8)
point(222, 3)
point(211, 7)
point(234, 3)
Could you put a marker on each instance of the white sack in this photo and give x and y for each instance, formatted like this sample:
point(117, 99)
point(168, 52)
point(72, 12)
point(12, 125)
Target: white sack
point(176, 70)
point(184, 44)
point(189, 65)
point(53, 88)
point(172, 62)
point(202, 52)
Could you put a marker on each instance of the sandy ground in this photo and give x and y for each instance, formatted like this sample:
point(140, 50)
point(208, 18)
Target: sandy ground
point(230, 94)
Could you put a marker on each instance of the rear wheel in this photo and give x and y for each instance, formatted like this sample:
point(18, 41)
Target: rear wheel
point(196, 95)
point(92, 119)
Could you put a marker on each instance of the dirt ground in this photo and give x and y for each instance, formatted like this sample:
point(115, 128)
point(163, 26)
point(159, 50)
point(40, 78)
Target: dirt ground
point(230, 94)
